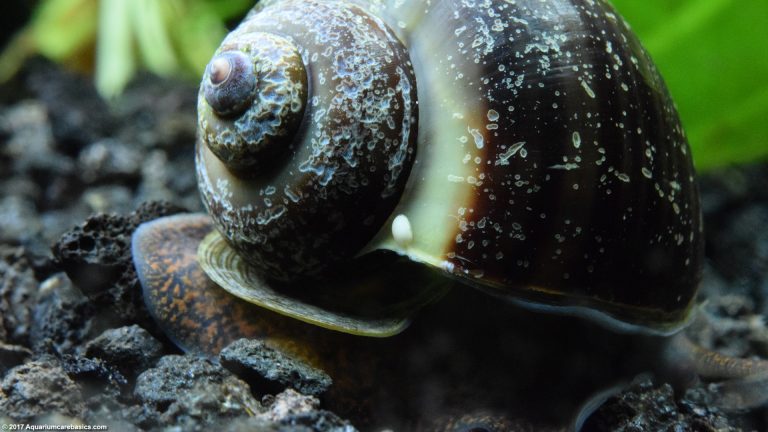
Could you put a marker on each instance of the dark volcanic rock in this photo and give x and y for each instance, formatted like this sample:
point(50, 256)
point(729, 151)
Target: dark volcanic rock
point(92, 371)
point(729, 188)
point(319, 421)
point(175, 375)
point(18, 292)
point(482, 422)
point(295, 411)
point(739, 249)
point(78, 115)
point(647, 406)
point(39, 388)
point(130, 349)
point(210, 404)
point(36, 178)
point(112, 160)
point(20, 222)
point(97, 257)
point(270, 370)
point(30, 141)
point(62, 317)
point(192, 393)
point(735, 202)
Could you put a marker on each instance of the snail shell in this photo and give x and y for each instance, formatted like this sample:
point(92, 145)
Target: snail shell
point(527, 148)
point(314, 187)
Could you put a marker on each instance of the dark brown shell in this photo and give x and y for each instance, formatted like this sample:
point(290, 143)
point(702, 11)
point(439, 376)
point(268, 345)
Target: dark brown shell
point(551, 167)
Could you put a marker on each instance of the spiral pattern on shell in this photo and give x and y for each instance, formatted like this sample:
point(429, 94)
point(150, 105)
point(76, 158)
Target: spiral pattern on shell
point(305, 176)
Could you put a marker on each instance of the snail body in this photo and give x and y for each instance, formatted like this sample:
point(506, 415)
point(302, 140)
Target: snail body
point(529, 149)
point(350, 152)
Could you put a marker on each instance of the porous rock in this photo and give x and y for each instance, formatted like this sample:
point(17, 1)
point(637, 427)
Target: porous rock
point(192, 394)
point(30, 140)
point(97, 257)
point(130, 349)
point(77, 114)
point(39, 388)
point(62, 317)
point(271, 370)
point(189, 379)
point(210, 404)
point(93, 373)
point(18, 292)
point(481, 421)
point(110, 159)
point(647, 406)
point(296, 411)
point(20, 222)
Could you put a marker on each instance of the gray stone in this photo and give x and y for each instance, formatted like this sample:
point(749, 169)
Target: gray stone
point(18, 294)
point(194, 379)
point(295, 411)
point(19, 216)
point(271, 370)
point(130, 349)
point(192, 394)
point(647, 406)
point(110, 160)
point(62, 317)
point(39, 388)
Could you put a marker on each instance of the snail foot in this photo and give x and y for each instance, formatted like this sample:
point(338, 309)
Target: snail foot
point(374, 295)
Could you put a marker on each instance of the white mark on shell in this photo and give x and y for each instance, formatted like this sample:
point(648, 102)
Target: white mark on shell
point(588, 89)
point(504, 157)
point(478, 137)
point(401, 231)
point(576, 139)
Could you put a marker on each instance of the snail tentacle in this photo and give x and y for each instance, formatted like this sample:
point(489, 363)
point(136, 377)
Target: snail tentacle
point(742, 383)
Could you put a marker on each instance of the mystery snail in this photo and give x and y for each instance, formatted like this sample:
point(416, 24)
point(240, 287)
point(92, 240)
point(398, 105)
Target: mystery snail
point(349, 151)
point(529, 148)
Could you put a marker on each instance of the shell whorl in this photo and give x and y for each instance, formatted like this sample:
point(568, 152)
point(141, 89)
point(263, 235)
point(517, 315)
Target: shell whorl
point(252, 101)
point(292, 201)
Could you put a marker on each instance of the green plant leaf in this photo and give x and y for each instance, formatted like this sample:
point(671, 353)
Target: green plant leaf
point(115, 63)
point(150, 29)
point(713, 55)
point(61, 27)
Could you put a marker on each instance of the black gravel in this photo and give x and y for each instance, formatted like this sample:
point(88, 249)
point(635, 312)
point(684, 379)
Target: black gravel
point(78, 175)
